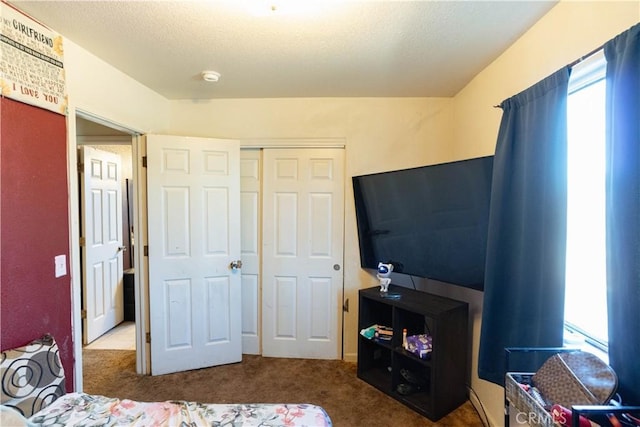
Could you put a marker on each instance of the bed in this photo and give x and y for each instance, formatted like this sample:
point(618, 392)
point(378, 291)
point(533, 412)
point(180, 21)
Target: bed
point(33, 394)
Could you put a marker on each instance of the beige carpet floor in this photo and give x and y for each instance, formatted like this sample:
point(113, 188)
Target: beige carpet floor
point(332, 384)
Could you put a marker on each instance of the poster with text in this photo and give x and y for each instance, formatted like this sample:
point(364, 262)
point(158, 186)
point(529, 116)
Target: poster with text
point(31, 62)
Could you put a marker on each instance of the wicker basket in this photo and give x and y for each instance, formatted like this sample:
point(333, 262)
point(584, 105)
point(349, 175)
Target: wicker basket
point(529, 410)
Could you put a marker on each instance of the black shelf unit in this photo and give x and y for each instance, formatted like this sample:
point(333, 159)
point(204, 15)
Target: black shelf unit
point(443, 374)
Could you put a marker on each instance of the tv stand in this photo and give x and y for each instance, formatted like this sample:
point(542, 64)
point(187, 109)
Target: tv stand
point(441, 378)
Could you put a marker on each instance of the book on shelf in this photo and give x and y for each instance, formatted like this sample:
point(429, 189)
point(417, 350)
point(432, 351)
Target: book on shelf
point(384, 331)
point(379, 332)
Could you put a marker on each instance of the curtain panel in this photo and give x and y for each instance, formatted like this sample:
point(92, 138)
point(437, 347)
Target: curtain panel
point(623, 210)
point(525, 267)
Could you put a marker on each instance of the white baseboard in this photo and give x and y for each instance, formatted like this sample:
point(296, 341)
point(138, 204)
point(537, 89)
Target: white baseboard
point(350, 357)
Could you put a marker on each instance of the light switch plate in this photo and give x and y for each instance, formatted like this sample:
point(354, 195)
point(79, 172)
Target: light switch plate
point(61, 265)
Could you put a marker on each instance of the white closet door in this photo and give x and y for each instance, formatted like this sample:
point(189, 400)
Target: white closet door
point(303, 253)
point(250, 208)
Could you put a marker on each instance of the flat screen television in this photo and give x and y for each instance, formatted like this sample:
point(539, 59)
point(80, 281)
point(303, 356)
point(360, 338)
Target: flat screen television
point(428, 221)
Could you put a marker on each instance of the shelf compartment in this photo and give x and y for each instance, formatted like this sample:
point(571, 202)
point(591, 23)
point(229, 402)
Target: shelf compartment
point(415, 368)
point(376, 354)
point(378, 377)
point(414, 323)
point(419, 375)
point(375, 313)
point(375, 365)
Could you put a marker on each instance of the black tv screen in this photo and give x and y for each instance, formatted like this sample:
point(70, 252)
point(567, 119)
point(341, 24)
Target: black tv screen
point(429, 221)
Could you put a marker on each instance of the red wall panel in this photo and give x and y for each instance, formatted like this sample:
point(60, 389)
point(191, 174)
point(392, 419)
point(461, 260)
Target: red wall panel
point(34, 229)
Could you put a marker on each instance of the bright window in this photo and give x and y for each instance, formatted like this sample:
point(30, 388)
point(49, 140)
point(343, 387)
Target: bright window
point(585, 297)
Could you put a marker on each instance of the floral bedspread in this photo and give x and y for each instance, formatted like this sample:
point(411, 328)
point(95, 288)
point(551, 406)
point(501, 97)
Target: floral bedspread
point(81, 409)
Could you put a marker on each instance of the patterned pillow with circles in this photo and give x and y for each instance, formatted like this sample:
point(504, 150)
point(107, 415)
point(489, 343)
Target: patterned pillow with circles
point(32, 376)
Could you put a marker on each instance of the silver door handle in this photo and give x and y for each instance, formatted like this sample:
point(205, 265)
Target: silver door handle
point(236, 265)
point(122, 248)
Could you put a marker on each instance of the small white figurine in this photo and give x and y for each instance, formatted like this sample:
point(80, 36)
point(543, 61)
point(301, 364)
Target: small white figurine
point(384, 271)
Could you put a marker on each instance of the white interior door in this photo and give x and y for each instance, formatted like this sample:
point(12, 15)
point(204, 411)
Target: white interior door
point(101, 201)
point(250, 208)
point(302, 253)
point(194, 235)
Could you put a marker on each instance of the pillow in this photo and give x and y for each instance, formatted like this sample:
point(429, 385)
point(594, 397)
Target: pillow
point(31, 376)
point(13, 418)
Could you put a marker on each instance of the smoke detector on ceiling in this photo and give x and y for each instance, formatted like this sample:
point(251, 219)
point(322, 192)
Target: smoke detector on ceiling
point(210, 76)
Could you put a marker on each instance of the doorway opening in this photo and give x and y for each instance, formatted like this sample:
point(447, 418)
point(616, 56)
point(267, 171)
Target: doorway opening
point(106, 219)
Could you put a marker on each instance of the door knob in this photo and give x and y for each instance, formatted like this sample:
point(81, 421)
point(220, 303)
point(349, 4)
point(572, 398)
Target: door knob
point(122, 248)
point(236, 265)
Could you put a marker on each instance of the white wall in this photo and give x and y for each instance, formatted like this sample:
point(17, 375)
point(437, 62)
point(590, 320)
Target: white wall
point(569, 31)
point(95, 86)
point(379, 133)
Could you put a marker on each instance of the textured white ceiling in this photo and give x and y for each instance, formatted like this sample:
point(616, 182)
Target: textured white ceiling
point(335, 48)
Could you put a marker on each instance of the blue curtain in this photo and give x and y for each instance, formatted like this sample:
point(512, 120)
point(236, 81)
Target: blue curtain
point(525, 267)
point(623, 210)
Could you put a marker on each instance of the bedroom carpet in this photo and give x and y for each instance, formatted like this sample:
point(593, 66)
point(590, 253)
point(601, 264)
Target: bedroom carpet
point(332, 384)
